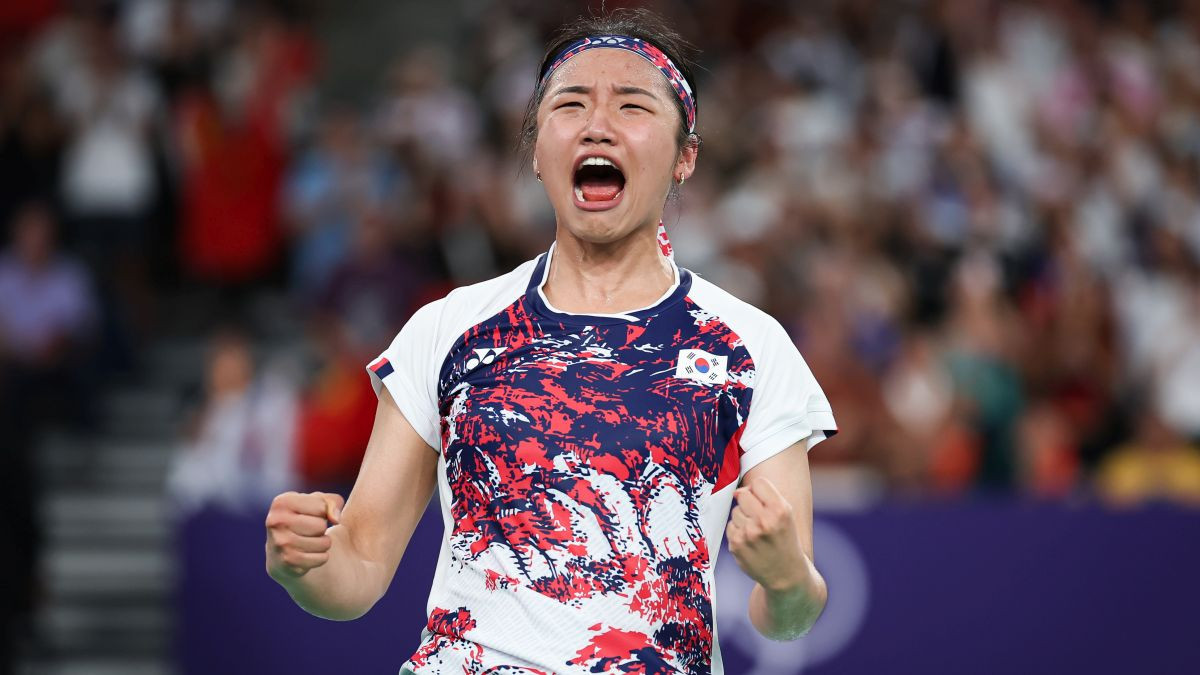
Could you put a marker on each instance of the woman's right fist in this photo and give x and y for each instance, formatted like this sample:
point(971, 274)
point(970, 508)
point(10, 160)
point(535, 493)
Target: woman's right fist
point(296, 538)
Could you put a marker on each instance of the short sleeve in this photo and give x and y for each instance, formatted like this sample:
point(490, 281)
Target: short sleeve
point(787, 406)
point(409, 369)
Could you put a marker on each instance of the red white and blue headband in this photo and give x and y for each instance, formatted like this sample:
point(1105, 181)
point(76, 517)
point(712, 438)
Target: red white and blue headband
point(642, 48)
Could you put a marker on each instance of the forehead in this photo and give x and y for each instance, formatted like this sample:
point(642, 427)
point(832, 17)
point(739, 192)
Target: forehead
point(603, 66)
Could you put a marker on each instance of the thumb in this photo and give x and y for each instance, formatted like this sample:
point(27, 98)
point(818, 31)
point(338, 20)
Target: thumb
point(333, 506)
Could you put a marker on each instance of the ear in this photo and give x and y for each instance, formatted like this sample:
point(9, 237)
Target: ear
point(685, 166)
point(534, 151)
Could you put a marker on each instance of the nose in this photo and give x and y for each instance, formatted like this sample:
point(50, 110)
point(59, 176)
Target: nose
point(599, 127)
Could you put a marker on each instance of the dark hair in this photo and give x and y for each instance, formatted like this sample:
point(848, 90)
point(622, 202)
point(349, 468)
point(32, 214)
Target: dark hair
point(639, 23)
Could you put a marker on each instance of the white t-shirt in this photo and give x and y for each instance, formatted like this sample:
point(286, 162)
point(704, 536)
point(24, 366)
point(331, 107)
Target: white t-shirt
point(586, 468)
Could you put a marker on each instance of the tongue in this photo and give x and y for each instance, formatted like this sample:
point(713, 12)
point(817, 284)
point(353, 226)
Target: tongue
point(600, 189)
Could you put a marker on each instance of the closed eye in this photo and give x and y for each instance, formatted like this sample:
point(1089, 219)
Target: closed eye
point(632, 105)
point(569, 104)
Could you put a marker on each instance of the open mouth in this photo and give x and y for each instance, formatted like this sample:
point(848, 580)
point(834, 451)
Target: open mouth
point(599, 183)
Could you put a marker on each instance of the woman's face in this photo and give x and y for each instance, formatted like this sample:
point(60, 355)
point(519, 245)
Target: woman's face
point(606, 145)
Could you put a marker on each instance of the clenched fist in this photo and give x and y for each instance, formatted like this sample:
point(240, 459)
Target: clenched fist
point(296, 539)
point(763, 537)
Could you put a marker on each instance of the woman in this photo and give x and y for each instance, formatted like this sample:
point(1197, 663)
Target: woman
point(593, 412)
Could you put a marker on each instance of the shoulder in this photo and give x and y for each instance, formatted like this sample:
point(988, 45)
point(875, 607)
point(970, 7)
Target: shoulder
point(755, 327)
point(469, 305)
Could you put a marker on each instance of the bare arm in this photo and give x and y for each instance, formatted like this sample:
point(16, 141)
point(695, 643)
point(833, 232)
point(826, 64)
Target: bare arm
point(340, 572)
point(770, 535)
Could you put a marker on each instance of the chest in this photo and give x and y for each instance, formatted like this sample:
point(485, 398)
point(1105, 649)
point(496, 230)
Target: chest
point(521, 395)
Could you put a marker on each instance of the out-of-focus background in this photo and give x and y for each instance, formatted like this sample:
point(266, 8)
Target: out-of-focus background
point(980, 221)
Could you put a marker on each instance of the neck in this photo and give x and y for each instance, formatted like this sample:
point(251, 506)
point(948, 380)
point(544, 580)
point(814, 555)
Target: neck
point(610, 278)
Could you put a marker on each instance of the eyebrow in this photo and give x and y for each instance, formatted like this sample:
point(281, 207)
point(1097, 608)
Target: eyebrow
point(635, 90)
point(624, 90)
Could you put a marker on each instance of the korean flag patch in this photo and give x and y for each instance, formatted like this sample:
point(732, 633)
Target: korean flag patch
point(699, 365)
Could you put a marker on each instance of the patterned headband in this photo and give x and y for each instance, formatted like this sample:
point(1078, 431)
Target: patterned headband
point(642, 48)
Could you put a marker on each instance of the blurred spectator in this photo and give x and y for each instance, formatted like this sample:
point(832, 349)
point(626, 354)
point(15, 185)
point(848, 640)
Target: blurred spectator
point(983, 346)
point(919, 394)
point(1156, 465)
point(379, 285)
point(424, 115)
point(31, 137)
point(240, 452)
point(232, 134)
point(47, 321)
point(340, 182)
point(111, 178)
point(47, 313)
point(1047, 453)
point(231, 171)
point(108, 181)
point(336, 414)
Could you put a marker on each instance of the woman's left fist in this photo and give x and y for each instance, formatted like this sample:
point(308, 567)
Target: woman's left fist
point(763, 537)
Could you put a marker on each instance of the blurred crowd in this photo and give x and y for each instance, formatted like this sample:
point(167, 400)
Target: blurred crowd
point(979, 220)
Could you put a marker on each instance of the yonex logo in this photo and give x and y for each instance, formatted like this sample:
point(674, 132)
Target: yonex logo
point(484, 357)
point(699, 365)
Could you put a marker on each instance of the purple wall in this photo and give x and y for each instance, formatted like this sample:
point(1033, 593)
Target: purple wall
point(988, 587)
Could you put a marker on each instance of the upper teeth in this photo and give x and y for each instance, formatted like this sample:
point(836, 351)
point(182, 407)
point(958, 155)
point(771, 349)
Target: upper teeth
point(597, 161)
